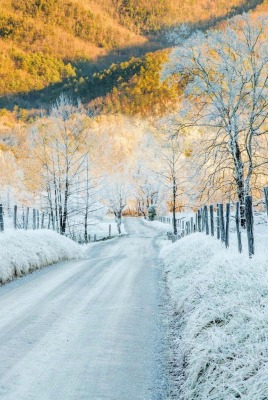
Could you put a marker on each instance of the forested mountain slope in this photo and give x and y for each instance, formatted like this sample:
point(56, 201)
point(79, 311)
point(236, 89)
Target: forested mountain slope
point(144, 16)
point(49, 46)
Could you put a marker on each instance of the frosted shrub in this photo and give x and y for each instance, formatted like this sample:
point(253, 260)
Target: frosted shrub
point(221, 301)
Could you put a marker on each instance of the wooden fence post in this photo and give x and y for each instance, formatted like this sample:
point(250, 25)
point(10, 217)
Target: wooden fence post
point(23, 218)
point(95, 238)
point(37, 219)
point(266, 198)
point(238, 226)
point(192, 225)
point(206, 219)
point(89, 238)
point(199, 220)
point(43, 221)
point(49, 221)
point(34, 219)
point(249, 224)
point(227, 230)
point(110, 230)
point(211, 210)
point(222, 224)
point(203, 219)
point(218, 222)
point(26, 218)
point(15, 216)
point(1, 218)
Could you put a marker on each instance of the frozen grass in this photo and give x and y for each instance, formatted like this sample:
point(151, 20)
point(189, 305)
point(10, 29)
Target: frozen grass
point(221, 318)
point(24, 251)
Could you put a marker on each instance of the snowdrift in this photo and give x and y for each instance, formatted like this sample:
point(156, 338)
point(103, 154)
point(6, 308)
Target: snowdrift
point(24, 251)
point(221, 318)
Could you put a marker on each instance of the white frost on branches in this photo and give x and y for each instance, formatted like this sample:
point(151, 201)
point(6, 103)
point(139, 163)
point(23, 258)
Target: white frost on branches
point(225, 74)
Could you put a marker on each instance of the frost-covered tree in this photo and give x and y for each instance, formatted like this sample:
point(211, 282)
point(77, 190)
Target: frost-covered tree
point(225, 75)
point(86, 203)
point(62, 147)
point(171, 150)
point(116, 192)
point(148, 192)
point(147, 187)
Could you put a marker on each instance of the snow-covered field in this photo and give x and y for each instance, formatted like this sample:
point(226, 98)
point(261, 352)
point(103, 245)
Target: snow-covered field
point(24, 251)
point(219, 317)
point(101, 228)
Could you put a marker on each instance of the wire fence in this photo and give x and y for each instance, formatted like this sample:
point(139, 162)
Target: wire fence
point(215, 221)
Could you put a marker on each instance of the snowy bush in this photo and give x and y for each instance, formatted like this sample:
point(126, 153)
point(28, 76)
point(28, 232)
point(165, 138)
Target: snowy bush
point(24, 251)
point(221, 323)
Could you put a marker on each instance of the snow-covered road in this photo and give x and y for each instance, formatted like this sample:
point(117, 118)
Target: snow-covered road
point(87, 329)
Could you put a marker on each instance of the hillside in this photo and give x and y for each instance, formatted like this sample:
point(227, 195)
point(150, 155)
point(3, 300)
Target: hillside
point(50, 46)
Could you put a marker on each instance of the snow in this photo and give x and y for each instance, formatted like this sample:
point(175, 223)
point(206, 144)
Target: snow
point(158, 226)
point(101, 228)
point(220, 317)
point(86, 329)
point(166, 227)
point(24, 251)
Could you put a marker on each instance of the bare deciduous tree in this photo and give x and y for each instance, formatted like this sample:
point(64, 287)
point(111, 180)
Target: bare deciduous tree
point(226, 78)
point(117, 189)
point(62, 147)
point(171, 150)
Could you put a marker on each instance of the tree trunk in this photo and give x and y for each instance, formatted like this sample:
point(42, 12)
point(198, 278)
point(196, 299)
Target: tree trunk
point(118, 220)
point(174, 206)
point(65, 208)
point(240, 181)
point(85, 232)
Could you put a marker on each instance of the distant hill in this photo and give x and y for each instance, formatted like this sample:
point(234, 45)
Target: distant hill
point(49, 46)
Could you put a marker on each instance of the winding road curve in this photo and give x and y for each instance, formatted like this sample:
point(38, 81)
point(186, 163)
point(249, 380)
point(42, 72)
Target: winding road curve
point(87, 329)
